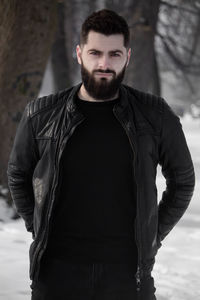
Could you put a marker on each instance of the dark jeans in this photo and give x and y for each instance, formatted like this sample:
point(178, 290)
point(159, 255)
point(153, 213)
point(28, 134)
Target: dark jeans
point(60, 280)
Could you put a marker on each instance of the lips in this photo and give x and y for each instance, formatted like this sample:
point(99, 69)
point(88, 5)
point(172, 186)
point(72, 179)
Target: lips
point(103, 74)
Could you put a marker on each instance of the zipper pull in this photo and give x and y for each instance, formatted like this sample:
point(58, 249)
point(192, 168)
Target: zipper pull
point(138, 281)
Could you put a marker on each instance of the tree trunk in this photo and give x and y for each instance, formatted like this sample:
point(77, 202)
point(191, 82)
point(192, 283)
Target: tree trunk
point(60, 63)
point(156, 82)
point(142, 18)
point(27, 30)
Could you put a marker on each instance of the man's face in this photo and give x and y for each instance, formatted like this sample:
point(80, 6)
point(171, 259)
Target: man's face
point(103, 61)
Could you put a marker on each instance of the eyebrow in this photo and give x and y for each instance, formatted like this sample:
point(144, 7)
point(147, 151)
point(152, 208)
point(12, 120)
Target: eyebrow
point(112, 51)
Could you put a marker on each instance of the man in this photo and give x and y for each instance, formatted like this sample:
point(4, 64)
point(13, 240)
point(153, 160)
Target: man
point(82, 174)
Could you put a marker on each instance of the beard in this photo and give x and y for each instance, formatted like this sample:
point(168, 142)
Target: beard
point(102, 89)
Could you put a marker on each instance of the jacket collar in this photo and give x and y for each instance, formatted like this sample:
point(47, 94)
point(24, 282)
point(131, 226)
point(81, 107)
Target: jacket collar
point(72, 107)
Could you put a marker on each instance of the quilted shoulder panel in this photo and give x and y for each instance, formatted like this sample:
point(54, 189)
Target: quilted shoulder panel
point(48, 101)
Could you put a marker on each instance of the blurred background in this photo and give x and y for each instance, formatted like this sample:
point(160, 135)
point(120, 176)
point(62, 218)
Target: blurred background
point(37, 58)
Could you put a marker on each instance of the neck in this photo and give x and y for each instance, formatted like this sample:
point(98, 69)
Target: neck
point(83, 94)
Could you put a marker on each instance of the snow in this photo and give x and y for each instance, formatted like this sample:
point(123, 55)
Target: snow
point(14, 245)
point(5, 211)
point(176, 271)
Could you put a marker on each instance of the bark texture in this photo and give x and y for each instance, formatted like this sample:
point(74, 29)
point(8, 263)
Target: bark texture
point(141, 72)
point(27, 31)
point(60, 63)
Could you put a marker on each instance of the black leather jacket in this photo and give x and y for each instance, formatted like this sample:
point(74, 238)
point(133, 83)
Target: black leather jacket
point(156, 137)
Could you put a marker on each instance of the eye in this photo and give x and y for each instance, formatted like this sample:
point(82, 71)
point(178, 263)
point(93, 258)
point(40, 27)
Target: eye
point(115, 54)
point(94, 53)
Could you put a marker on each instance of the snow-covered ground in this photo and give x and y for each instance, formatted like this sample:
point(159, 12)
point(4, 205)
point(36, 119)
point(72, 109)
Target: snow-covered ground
point(177, 268)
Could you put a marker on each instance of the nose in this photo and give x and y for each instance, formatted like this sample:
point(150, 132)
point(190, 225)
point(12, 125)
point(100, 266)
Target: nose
point(104, 62)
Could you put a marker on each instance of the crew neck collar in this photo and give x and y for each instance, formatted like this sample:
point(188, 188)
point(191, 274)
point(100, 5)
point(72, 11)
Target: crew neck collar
point(97, 103)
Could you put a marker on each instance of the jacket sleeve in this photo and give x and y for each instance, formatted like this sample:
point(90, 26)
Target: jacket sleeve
point(22, 161)
point(178, 170)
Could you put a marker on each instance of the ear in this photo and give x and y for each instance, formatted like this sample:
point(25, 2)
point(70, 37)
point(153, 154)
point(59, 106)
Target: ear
point(78, 54)
point(128, 57)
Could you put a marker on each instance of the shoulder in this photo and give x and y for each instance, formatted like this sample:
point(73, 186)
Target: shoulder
point(153, 108)
point(145, 100)
point(48, 102)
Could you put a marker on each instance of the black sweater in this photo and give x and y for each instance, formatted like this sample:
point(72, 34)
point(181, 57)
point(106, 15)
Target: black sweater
point(94, 217)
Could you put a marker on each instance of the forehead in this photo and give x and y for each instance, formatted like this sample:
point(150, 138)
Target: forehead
point(103, 42)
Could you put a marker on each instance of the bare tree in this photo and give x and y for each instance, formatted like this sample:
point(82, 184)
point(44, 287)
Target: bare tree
point(59, 59)
point(142, 72)
point(178, 40)
point(27, 30)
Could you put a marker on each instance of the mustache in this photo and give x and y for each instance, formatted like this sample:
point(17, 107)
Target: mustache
point(104, 71)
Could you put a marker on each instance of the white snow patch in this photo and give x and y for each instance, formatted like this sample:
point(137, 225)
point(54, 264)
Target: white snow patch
point(5, 211)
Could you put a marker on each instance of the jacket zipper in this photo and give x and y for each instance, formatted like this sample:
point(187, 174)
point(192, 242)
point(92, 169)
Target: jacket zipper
point(42, 245)
point(137, 275)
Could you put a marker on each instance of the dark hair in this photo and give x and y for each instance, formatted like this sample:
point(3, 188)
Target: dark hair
point(106, 22)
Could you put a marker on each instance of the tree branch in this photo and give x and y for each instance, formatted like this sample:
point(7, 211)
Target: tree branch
point(177, 61)
point(173, 6)
point(175, 44)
